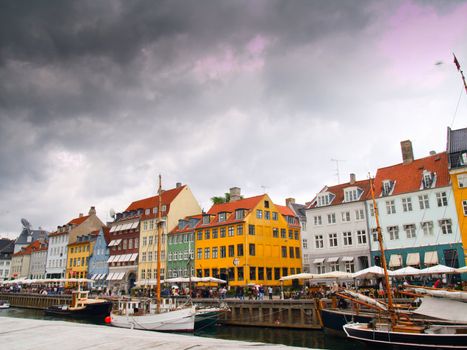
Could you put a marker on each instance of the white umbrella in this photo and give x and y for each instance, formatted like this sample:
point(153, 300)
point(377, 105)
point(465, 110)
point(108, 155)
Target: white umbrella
point(212, 279)
point(406, 271)
point(437, 269)
point(299, 276)
point(462, 269)
point(371, 272)
point(335, 275)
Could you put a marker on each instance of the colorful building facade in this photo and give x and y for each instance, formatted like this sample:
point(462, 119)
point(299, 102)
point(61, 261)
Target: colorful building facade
point(79, 253)
point(457, 158)
point(98, 269)
point(247, 241)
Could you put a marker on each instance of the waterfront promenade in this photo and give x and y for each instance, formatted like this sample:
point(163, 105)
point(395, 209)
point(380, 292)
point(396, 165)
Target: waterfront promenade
point(24, 334)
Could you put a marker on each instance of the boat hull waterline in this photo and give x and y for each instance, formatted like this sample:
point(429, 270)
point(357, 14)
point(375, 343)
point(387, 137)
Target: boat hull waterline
point(360, 331)
point(93, 310)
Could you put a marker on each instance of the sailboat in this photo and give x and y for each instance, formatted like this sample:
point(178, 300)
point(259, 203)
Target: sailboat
point(163, 316)
point(400, 330)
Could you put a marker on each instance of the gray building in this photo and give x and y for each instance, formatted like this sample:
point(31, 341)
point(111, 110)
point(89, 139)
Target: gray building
point(7, 247)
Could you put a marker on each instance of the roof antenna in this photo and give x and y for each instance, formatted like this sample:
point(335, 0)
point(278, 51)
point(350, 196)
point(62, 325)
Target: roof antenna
point(264, 188)
point(337, 168)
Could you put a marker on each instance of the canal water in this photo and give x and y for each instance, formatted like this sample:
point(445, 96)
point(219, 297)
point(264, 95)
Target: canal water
point(304, 338)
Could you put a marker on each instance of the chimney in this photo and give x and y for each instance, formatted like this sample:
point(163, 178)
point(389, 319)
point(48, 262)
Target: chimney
point(235, 194)
point(178, 185)
point(289, 201)
point(81, 215)
point(352, 178)
point(432, 153)
point(407, 152)
point(92, 211)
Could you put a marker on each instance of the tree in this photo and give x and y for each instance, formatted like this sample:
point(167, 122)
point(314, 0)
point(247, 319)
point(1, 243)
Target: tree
point(220, 200)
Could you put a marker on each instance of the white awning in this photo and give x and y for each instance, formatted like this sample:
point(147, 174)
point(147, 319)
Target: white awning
point(135, 225)
point(125, 258)
point(133, 257)
point(125, 226)
point(431, 258)
point(94, 276)
point(112, 229)
point(318, 261)
point(347, 258)
point(115, 242)
point(118, 258)
point(102, 276)
point(110, 276)
point(333, 259)
point(395, 260)
point(118, 228)
point(413, 259)
point(118, 276)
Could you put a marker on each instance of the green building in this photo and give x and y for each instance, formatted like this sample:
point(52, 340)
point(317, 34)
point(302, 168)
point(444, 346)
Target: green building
point(180, 248)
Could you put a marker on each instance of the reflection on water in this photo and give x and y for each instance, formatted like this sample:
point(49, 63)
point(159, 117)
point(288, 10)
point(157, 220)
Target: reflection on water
point(293, 337)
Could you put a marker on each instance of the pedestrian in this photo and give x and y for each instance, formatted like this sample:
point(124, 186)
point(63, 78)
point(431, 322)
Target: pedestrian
point(270, 292)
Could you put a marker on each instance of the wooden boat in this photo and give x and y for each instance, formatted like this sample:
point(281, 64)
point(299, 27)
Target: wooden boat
point(82, 307)
point(4, 304)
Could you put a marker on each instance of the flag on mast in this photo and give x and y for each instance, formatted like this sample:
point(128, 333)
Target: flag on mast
point(456, 62)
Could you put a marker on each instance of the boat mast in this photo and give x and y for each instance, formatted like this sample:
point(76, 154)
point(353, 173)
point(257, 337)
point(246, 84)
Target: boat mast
point(383, 256)
point(159, 237)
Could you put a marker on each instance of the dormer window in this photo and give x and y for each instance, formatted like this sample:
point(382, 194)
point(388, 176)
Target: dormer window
point(387, 187)
point(222, 216)
point(239, 214)
point(154, 210)
point(147, 211)
point(324, 199)
point(164, 208)
point(428, 179)
point(352, 194)
point(206, 219)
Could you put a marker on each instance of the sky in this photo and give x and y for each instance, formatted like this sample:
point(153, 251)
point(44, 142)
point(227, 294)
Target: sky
point(99, 97)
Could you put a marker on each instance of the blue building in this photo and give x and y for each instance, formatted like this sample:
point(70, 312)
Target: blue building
point(98, 266)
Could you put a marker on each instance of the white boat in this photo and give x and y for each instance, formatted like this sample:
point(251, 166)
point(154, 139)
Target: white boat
point(140, 314)
point(4, 304)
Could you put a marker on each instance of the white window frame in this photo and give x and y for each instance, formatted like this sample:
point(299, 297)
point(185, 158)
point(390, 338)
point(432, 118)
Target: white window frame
point(442, 199)
point(345, 216)
point(317, 220)
point(390, 207)
point(407, 204)
point(427, 227)
point(333, 242)
point(361, 237)
point(319, 241)
point(410, 230)
point(424, 201)
point(332, 218)
point(393, 232)
point(446, 226)
point(347, 236)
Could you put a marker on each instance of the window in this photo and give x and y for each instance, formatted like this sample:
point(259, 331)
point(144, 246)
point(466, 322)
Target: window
point(149, 256)
point(462, 180)
point(390, 207)
point(323, 199)
point(441, 199)
point(333, 239)
point(275, 232)
point(143, 258)
point(239, 249)
point(205, 219)
point(350, 195)
point(283, 233)
point(252, 273)
point(199, 253)
point(295, 235)
point(423, 201)
point(267, 215)
point(215, 252)
point(222, 217)
point(252, 249)
point(143, 274)
point(284, 252)
point(393, 232)
point(317, 220)
point(291, 252)
point(345, 216)
point(305, 243)
point(407, 204)
point(239, 214)
point(223, 252)
point(319, 241)
point(206, 253)
point(145, 241)
point(410, 231)
point(231, 250)
point(199, 235)
point(151, 224)
point(240, 275)
point(145, 225)
point(274, 216)
point(259, 214)
point(239, 230)
point(374, 234)
point(359, 214)
point(222, 232)
point(464, 206)
point(372, 209)
point(290, 234)
point(361, 237)
point(428, 178)
point(214, 233)
point(334, 266)
point(347, 238)
point(446, 226)
point(164, 207)
point(427, 228)
point(297, 252)
point(251, 230)
point(231, 231)
point(349, 266)
point(320, 268)
point(207, 234)
point(387, 187)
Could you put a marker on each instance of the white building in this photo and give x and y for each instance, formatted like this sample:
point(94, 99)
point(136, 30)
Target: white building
point(6, 251)
point(57, 252)
point(417, 213)
point(337, 228)
point(307, 248)
point(38, 260)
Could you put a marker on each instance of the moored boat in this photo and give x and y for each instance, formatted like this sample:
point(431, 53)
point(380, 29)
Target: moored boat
point(4, 304)
point(82, 307)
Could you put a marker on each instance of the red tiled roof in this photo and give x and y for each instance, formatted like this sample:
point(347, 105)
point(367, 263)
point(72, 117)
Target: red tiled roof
point(28, 249)
point(246, 203)
point(285, 210)
point(56, 233)
point(338, 191)
point(408, 177)
point(78, 220)
point(153, 202)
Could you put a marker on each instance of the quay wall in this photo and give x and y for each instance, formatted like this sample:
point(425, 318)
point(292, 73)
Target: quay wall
point(35, 301)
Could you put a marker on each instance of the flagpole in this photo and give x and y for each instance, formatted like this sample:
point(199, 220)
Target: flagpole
point(458, 66)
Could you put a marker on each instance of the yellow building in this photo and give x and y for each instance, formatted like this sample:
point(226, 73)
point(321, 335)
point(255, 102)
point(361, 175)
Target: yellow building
point(457, 153)
point(176, 204)
point(78, 255)
point(249, 240)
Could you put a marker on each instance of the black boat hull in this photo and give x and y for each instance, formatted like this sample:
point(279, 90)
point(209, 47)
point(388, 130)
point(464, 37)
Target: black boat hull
point(91, 311)
point(408, 340)
point(334, 320)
